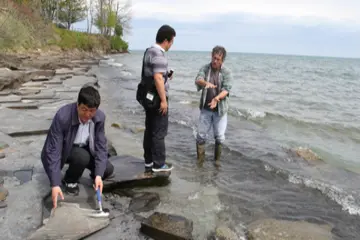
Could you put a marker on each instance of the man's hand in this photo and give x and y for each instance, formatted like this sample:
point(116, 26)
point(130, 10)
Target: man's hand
point(163, 107)
point(213, 103)
point(210, 85)
point(55, 192)
point(98, 184)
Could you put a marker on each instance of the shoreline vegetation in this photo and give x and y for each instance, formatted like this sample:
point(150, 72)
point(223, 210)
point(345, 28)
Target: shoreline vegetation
point(28, 27)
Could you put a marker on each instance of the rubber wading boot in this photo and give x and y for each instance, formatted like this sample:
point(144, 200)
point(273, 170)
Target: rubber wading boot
point(217, 153)
point(200, 149)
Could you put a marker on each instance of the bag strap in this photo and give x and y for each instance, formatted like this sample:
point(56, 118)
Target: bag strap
point(143, 65)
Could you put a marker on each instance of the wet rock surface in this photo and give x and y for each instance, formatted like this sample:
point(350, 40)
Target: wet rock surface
point(223, 233)
point(144, 202)
point(167, 226)
point(3, 193)
point(129, 172)
point(69, 222)
point(269, 229)
point(307, 155)
point(111, 150)
point(86, 198)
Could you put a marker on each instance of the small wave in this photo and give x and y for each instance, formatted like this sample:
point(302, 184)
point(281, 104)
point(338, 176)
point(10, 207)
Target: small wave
point(111, 62)
point(181, 122)
point(347, 201)
point(264, 117)
point(185, 102)
point(125, 73)
point(116, 64)
point(247, 113)
point(251, 114)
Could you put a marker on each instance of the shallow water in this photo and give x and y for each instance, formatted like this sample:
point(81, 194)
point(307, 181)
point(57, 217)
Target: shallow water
point(277, 103)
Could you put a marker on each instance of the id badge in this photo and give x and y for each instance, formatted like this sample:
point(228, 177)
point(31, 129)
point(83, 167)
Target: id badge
point(150, 96)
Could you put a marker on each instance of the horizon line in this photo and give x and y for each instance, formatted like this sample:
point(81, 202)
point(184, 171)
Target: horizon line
point(262, 53)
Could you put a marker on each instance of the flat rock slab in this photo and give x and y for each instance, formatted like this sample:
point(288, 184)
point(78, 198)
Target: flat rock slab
point(10, 98)
point(26, 92)
point(52, 82)
point(5, 93)
point(32, 88)
point(69, 222)
point(269, 229)
point(5, 140)
point(167, 226)
point(15, 129)
point(32, 84)
point(43, 73)
point(68, 71)
point(78, 81)
point(86, 62)
point(21, 105)
point(65, 77)
point(55, 105)
point(9, 79)
point(41, 95)
point(130, 170)
point(86, 198)
point(20, 123)
point(40, 79)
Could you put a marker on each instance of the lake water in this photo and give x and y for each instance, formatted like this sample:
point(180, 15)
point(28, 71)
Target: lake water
point(277, 103)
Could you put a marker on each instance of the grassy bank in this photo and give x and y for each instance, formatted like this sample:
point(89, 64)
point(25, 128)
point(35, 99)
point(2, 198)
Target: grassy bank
point(67, 40)
point(22, 29)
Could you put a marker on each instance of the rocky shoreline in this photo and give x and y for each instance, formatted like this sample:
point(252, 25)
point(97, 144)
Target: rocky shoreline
point(27, 107)
point(32, 88)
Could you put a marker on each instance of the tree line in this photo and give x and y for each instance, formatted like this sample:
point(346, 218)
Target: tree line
point(110, 17)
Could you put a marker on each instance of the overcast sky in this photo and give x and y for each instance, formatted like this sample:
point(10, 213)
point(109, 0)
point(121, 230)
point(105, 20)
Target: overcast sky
point(306, 27)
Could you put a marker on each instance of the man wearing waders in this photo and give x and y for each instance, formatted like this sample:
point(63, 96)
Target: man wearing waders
point(214, 79)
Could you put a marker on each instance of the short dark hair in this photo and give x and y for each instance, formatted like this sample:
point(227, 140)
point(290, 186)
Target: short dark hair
point(89, 96)
point(165, 32)
point(219, 50)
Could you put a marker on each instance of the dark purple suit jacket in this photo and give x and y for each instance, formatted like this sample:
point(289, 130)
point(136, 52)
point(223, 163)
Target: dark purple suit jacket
point(61, 136)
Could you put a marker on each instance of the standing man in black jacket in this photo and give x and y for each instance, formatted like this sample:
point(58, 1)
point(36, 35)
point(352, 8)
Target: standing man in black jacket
point(155, 69)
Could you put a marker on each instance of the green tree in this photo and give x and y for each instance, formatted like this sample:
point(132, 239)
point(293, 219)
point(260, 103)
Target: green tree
point(118, 30)
point(48, 9)
point(112, 17)
point(105, 19)
point(72, 11)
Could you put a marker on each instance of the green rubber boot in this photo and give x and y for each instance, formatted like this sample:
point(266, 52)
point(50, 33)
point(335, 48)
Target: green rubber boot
point(200, 149)
point(217, 154)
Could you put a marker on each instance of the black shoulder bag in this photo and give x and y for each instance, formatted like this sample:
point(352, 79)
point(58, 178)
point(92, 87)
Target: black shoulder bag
point(146, 93)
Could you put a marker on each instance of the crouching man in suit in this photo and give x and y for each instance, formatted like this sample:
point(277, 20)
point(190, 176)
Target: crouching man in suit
point(77, 138)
